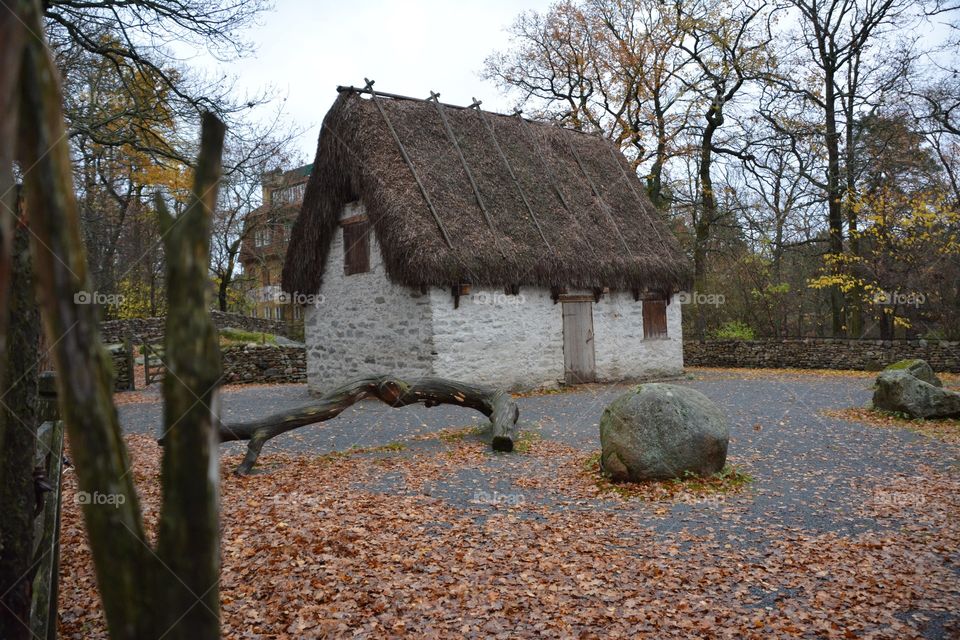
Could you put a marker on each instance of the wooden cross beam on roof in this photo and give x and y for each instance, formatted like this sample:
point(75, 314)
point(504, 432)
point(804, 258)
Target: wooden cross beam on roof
point(486, 123)
point(434, 97)
point(403, 152)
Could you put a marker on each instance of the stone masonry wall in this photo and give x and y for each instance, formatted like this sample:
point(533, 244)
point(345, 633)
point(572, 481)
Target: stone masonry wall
point(246, 364)
point(152, 329)
point(121, 367)
point(363, 324)
point(622, 351)
point(517, 341)
point(820, 353)
point(498, 339)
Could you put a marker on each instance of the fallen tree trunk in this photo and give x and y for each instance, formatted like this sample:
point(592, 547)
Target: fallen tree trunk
point(493, 403)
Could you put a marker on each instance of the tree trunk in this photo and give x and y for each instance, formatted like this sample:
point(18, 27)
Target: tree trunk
point(189, 540)
point(708, 209)
point(18, 444)
point(11, 50)
point(222, 293)
point(144, 593)
point(655, 179)
point(834, 198)
point(496, 404)
point(117, 539)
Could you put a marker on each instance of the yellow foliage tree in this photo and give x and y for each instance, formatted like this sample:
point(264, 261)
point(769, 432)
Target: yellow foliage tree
point(907, 271)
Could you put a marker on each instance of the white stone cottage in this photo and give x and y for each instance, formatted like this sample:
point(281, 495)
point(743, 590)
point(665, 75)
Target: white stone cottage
point(448, 241)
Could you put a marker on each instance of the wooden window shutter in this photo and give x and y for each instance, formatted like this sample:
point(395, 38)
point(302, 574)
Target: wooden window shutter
point(356, 247)
point(654, 318)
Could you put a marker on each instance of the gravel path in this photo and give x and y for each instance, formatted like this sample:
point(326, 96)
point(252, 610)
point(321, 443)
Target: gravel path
point(809, 471)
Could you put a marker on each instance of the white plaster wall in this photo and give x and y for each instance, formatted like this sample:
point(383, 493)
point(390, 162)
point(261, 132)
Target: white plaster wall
point(493, 338)
point(622, 352)
point(517, 341)
point(363, 324)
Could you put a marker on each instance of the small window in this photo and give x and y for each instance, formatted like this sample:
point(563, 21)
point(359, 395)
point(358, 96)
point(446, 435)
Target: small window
point(356, 247)
point(654, 318)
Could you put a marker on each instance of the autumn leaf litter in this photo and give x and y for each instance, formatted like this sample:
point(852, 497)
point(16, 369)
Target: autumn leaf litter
point(311, 548)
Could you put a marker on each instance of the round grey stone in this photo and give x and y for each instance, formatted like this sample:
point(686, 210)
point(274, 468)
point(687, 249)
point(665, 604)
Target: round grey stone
point(662, 431)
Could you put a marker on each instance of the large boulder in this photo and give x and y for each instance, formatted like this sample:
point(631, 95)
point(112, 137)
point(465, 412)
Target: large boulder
point(918, 369)
point(901, 391)
point(662, 431)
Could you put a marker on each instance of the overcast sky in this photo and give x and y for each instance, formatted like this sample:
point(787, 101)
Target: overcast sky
point(306, 48)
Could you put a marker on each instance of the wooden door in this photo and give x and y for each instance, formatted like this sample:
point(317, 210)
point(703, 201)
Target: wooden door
point(579, 356)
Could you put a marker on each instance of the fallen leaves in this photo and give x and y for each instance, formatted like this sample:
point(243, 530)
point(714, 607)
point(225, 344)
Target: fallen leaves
point(313, 549)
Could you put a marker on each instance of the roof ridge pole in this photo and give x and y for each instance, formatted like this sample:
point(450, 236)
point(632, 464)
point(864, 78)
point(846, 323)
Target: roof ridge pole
point(406, 158)
point(626, 178)
point(435, 98)
point(486, 123)
point(593, 187)
point(539, 153)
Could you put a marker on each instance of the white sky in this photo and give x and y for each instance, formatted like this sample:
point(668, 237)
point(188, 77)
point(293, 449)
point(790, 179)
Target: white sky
point(306, 48)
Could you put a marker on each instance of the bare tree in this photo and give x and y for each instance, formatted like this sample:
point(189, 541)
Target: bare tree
point(727, 44)
point(608, 67)
point(833, 42)
point(249, 154)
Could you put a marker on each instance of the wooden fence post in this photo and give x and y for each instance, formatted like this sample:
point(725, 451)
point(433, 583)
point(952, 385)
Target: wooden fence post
point(130, 359)
point(49, 459)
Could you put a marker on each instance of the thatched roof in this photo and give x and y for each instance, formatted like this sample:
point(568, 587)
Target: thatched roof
point(576, 215)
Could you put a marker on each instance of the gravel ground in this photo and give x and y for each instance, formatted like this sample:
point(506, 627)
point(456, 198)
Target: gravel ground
point(809, 471)
point(846, 530)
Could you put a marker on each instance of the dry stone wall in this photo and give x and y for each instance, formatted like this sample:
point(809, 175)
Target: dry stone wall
point(246, 364)
point(152, 329)
point(820, 353)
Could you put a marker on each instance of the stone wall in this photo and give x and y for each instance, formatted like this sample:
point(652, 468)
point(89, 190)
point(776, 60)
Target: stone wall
point(246, 364)
point(121, 367)
point(498, 339)
point(152, 329)
point(622, 351)
point(517, 341)
point(362, 324)
point(820, 353)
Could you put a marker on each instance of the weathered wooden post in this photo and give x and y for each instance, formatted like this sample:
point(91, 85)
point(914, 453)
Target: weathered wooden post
point(47, 472)
point(131, 361)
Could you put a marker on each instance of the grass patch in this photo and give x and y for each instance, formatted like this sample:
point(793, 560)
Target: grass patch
point(526, 441)
point(943, 429)
point(238, 336)
point(690, 488)
point(391, 447)
point(455, 434)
